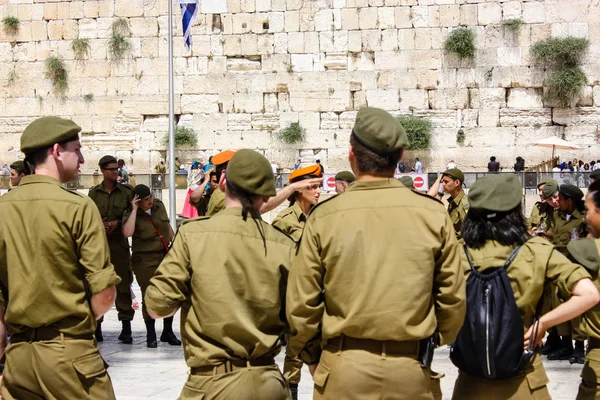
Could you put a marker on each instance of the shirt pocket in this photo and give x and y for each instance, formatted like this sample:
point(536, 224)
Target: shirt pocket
point(321, 374)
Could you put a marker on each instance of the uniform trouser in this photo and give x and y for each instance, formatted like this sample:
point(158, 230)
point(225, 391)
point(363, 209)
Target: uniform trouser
point(589, 388)
point(144, 266)
point(550, 302)
point(253, 383)
point(531, 385)
point(56, 369)
point(364, 375)
point(292, 368)
point(119, 257)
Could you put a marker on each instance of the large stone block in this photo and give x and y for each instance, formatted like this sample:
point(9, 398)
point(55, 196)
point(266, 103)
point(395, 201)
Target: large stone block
point(199, 103)
point(248, 102)
point(402, 17)
point(489, 13)
point(525, 117)
point(371, 40)
point(468, 14)
point(524, 98)
point(239, 122)
point(276, 22)
point(489, 117)
point(420, 16)
point(368, 18)
point(130, 8)
point(449, 15)
point(511, 10)
point(324, 20)
point(534, 12)
point(440, 118)
point(302, 62)
point(265, 122)
point(414, 99)
point(387, 99)
point(386, 18)
point(215, 7)
point(576, 116)
point(450, 98)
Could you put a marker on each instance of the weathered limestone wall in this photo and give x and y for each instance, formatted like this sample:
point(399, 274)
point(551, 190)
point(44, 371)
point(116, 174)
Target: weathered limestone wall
point(257, 65)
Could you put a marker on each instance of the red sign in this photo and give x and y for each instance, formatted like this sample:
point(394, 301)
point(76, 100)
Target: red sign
point(419, 182)
point(331, 182)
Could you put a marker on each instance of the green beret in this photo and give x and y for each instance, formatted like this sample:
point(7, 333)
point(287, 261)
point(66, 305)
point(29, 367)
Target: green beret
point(46, 131)
point(141, 190)
point(345, 176)
point(250, 173)
point(19, 166)
point(378, 131)
point(550, 188)
point(544, 181)
point(107, 160)
point(407, 181)
point(496, 193)
point(455, 173)
point(584, 252)
point(571, 191)
point(595, 175)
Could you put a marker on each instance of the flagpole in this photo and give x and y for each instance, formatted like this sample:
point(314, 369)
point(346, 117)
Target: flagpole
point(172, 172)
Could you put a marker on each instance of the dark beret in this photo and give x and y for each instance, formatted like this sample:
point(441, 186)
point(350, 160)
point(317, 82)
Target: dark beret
point(496, 193)
point(46, 131)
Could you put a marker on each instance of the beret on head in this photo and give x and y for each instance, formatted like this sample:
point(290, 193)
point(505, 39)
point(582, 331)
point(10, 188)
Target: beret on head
point(570, 191)
point(550, 188)
point(407, 181)
point(107, 160)
point(544, 181)
point(313, 171)
point(223, 157)
point(345, 176)
point(19, 166)
point(454, 173)
point(250, 173)
point(496, 193)
point(595, 174)
point(141, 190)
point(585, 252)
point(378, 131)
point(46, 131)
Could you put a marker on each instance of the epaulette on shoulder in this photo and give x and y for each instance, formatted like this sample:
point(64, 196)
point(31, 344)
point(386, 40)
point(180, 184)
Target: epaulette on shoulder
point(75, 192)
point(127, 185)
point(190, 220)
point(427, 196)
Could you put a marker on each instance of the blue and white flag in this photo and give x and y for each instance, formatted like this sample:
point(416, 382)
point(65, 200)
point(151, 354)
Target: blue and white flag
point(189, 8)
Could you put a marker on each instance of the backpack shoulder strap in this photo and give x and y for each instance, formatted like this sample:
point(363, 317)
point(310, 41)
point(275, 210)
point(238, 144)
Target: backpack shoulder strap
point(468, 257)
point(511, 258)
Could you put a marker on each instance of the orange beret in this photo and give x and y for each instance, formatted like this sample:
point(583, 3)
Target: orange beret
point(222, 157)
point(314, 170)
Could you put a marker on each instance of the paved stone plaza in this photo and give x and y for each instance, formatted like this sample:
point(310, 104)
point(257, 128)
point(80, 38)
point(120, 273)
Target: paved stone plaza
point(141, 373)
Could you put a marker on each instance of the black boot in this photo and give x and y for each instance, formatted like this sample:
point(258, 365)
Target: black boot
point(294, 390)
point(125, 335)
point(98, 332)
point(150, 334)
point(167, 334)
point(578, 356)
point(552, 343)
point(565, 352)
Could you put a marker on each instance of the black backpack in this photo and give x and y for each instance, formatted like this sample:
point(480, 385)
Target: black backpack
point(490, 343)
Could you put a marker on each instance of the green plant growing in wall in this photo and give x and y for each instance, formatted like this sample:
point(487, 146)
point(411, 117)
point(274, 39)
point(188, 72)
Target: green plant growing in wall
point(513, 25)
point(461, 42)
point(184, 137)
point(119, 44)
point(294, 133)
point(81, 49)
point(460, 136)
point(88, 98)
point(11, 25)
point(564, 56)
point(56, 72)
point(418, 131)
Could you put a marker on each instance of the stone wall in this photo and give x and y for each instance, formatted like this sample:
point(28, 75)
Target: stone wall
point(258, 65)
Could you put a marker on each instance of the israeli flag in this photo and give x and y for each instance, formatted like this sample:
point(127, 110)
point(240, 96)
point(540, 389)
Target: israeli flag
point(189, 8)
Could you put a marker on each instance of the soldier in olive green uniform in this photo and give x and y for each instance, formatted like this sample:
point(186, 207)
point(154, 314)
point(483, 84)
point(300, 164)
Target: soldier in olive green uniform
point(542, 216)
point(458, 203)
point(17, 172)
point(147, 223)
point(200, 198)
point(291, 222)
point(342, 180)
point(217, 198)
point(541, 208)
point(491, 231)
point(113, 199)
point(232, 299)
point(358, 307)
point(55, 274)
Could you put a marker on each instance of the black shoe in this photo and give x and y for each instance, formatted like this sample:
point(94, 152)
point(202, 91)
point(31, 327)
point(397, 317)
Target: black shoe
point(98, 333)
point(552, 343)
point(578, 356)
point(150, 334)
point(170, 338)
point(151, 344)
point(294, 390)
point(125, 335)
point(563, 353)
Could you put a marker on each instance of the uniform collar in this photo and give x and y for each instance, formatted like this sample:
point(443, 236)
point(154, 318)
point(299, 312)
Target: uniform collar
point(235, 211)
point(378, 184)
point(39, 179)
point(298, 212)
point(117, 187)
point(456, 200)
point(492, 254)
point(576, 214)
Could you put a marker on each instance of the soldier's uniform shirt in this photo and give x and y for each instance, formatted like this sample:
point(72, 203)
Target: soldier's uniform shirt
point(458, 208)
point(347, 280)
point(202, 204)
point(147, 247)
point(216, 202)
point(537, 263)
point(231, 293)
point(562, 226)
point(53, 257)
point(112, 206)
point(541, 213)
point(291, 222)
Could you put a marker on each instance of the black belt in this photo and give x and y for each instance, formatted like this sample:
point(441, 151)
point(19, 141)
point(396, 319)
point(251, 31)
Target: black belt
point(46, 334)
point(593, 343)
point(232, 365)
point(387, 347)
